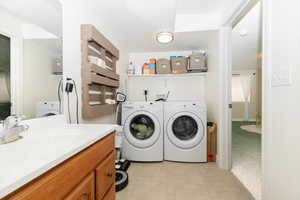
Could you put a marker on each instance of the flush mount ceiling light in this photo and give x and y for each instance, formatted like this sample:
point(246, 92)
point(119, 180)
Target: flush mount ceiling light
point(165, 37)
point(243, 33)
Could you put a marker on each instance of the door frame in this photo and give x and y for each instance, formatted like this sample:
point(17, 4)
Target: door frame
point(226, 61)
point(16, 71)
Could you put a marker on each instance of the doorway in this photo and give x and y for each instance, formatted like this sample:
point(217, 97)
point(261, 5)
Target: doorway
point(5, 68)
point(246, 100)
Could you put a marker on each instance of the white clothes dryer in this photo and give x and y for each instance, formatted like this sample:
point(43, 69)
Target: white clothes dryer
point(185, 131)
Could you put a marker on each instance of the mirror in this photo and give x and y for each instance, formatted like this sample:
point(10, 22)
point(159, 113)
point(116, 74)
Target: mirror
point(5, 101)
point(30, 58)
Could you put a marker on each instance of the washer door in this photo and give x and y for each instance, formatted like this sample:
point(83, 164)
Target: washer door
point(185, 130)
point(142, 129)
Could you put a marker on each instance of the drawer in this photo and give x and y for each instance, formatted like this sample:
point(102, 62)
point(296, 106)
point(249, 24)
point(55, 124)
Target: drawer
point(85, 190)
point(105, 176)
point(111, 194)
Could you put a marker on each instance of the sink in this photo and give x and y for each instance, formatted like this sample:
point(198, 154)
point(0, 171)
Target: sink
point(12, 134)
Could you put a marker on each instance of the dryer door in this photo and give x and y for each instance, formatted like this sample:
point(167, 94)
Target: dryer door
point(185, 130)
point(142, 129)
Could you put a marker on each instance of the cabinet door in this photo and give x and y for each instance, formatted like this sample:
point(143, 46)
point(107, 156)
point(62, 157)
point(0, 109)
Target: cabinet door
point(105, 176)
point(111, 195)
point(85, 190)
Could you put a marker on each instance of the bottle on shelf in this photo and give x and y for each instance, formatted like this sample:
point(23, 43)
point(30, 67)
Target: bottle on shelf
point(137, 70)
point(130, 70)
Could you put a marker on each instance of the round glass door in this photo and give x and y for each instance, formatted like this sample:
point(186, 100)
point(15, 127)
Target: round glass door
point(142, 127)
point(185, 128)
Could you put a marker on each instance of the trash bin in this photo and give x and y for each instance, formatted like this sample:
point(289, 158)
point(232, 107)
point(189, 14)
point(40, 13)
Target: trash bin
point(211, 142)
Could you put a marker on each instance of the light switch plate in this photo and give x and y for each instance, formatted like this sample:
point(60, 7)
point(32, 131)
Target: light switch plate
point(281, 77)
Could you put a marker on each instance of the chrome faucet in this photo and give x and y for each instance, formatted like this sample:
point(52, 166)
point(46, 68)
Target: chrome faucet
point(11, 129)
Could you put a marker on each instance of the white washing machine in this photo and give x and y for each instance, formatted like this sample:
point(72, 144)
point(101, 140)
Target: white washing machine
point(185, 132)
point(47, 108)
point(143, 131)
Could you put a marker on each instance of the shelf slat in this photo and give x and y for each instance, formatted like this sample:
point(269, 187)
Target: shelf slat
point(104, 81)
point(94, 111)
point(93, 53)
point(96, 97)
point(104, 72)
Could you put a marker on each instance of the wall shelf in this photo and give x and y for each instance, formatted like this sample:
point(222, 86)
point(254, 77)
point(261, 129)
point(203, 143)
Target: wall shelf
point(98, 83)
point(168, 75)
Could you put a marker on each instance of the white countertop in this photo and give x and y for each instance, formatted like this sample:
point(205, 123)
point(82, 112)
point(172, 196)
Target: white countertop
point(48, 142)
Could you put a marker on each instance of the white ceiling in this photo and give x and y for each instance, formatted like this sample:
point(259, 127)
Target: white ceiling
point(199, 7)
point(134, 23)
point(246, 49)
point(44, 13)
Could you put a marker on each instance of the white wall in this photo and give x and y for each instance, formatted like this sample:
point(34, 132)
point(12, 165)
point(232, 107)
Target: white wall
point(281, 108)
point(75, 13)
point(11, 26)
point(181, 87)
point(188, 88)
point(39, 82)
point(219, 96)
point(213, 79)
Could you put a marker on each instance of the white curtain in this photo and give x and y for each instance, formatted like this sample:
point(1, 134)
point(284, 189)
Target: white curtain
point(246, 80)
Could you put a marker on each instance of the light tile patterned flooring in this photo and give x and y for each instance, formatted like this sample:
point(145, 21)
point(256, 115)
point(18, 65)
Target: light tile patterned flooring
point(182, 181)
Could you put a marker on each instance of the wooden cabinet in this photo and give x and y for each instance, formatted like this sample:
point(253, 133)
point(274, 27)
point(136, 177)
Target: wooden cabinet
point(105, 176)
point(80, 177)
point(85, 190)
point(110, 194)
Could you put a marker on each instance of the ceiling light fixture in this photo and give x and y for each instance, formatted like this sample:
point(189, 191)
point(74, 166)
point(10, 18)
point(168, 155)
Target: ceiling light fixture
point(243, 33)
point(165, 37)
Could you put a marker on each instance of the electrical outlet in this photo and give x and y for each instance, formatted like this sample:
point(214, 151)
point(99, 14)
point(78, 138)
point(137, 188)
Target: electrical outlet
point(160, 96)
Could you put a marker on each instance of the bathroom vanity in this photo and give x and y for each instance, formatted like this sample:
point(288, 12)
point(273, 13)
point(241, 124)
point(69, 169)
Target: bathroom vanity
point(70, 162)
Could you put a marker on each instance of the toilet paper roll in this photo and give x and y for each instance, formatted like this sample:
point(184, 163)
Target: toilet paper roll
point(4, 92)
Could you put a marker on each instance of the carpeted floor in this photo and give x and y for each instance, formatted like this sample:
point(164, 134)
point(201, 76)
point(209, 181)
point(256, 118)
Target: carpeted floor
point(246, 155)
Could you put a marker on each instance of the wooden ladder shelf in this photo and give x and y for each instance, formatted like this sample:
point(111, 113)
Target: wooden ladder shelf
point(98, 82)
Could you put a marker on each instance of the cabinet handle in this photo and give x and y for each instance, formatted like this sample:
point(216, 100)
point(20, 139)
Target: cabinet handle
point(85, 196)
point(109, 174)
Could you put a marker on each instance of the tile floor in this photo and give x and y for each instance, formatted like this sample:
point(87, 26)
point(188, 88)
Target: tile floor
point(246, 157)
point(182, 181)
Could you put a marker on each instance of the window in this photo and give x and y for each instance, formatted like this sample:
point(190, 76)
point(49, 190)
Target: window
point(237, 90)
